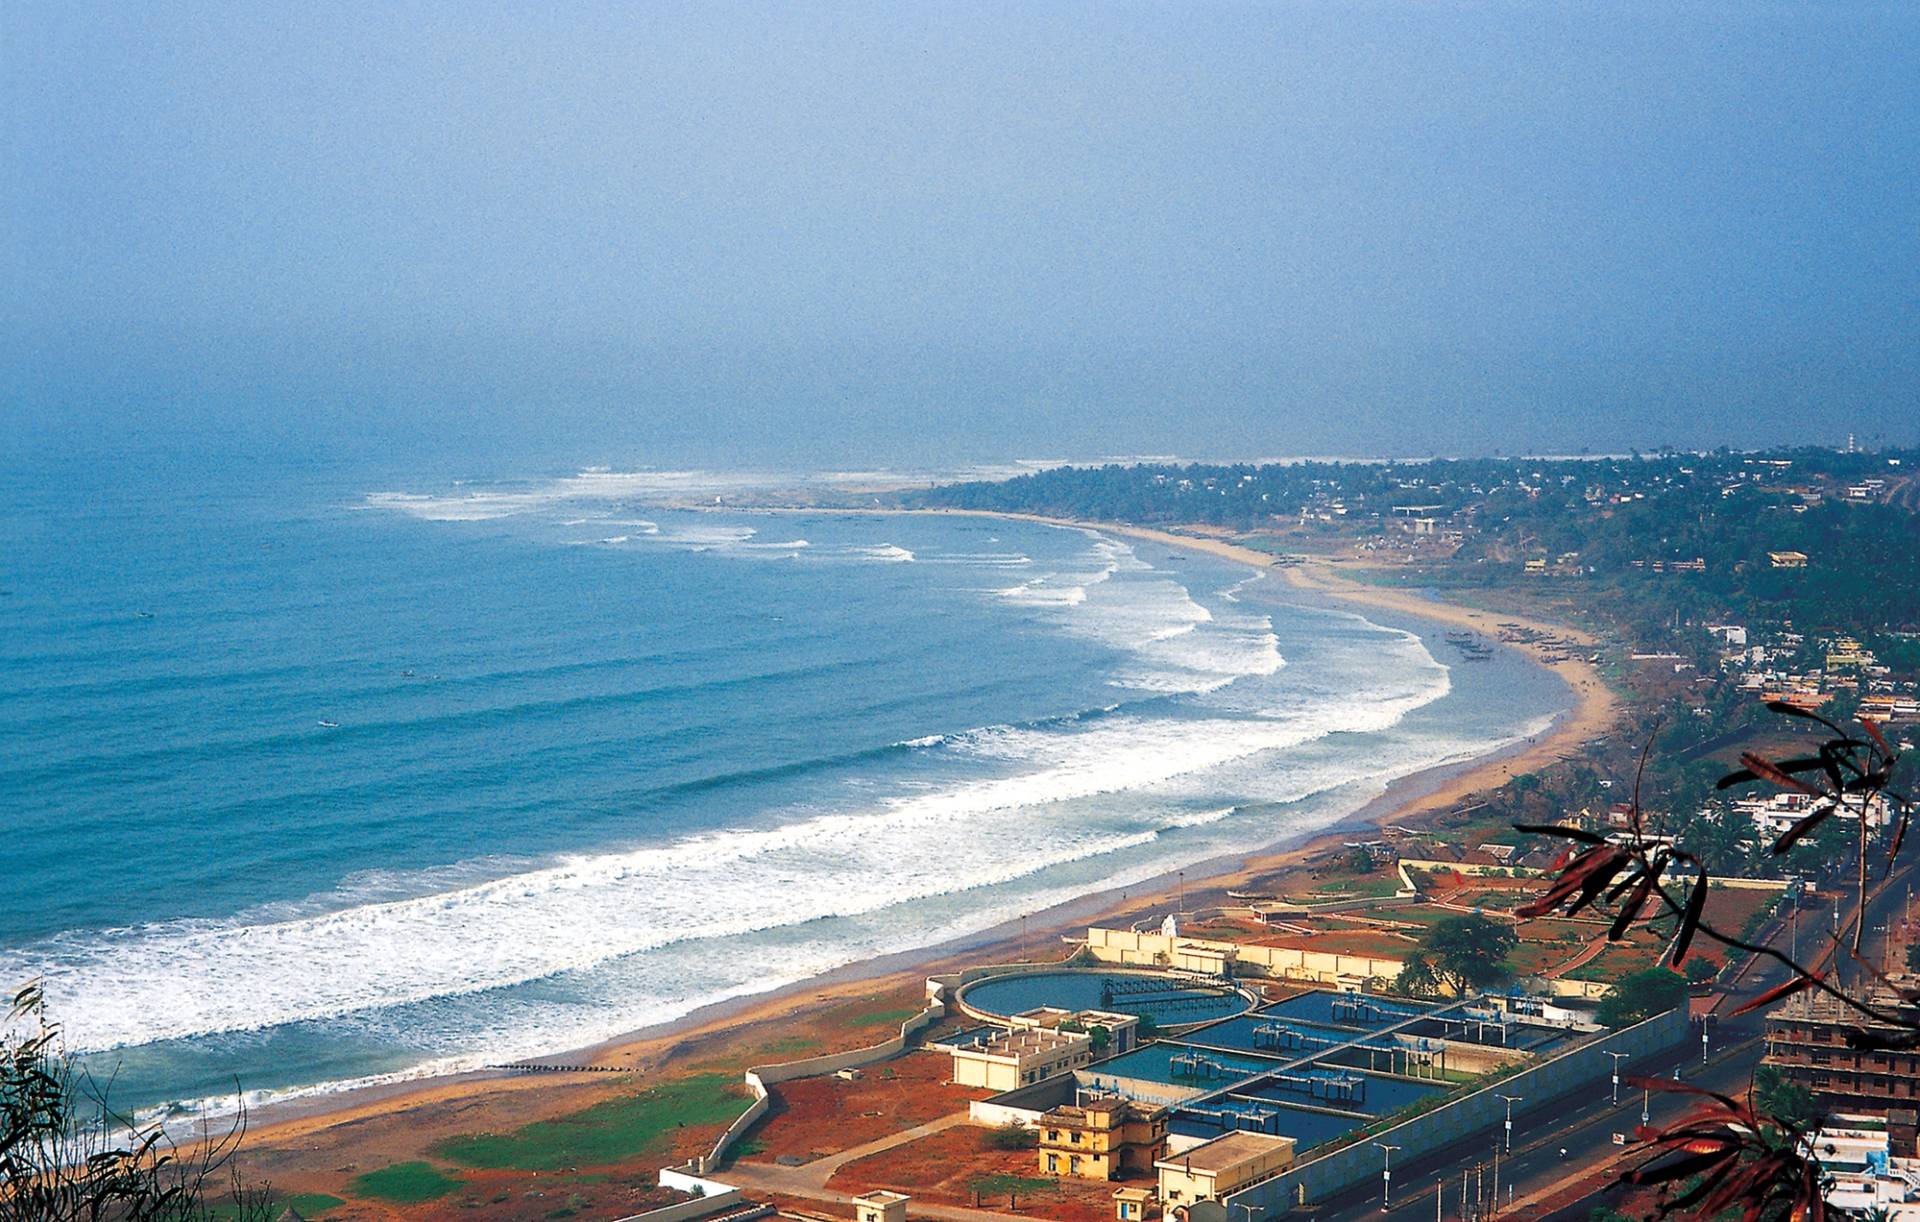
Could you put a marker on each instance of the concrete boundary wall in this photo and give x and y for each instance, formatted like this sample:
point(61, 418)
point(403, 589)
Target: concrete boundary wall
point(760, 1077)
point(711, 1198)
point(1321, 1177)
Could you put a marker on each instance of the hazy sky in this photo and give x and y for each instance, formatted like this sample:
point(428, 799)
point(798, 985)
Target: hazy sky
point(917, 232)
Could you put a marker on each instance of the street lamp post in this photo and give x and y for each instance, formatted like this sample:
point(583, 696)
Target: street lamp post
point(1439, 1196)
point(1386, 1175)
point(1250, 1209)
point(1511, 1100)
point(1705, 1019)
point(1646, 1107)
point(1617, 1058)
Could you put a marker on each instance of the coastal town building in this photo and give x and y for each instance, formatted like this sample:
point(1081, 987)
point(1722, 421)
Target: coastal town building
point(1812, 1041)
point(1132, 1204)
point(1773, 814)
point(1020, 1057)
point(1224, 1165)
point(1102, 1137)
point(1112, 1033)
point(1872, 1165)
point(1787, 560)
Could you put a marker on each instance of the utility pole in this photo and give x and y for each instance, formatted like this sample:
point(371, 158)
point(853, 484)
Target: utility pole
point(1511, 1100)
point(1494, 1212)
point(1386, 1175)
point(1617, 1058)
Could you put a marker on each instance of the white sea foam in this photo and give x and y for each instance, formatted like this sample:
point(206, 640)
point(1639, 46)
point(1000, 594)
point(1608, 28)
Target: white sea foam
point(633, 931)
point(1008, 560)
point(1176, 644)
point(891, 553)
point(195, 977)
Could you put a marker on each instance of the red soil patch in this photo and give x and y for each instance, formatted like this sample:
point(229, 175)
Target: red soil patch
point(945, 1166)
point(826, 1115)
point(1344, 942)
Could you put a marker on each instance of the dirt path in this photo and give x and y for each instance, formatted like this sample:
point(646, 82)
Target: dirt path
point(816, 1173)
point(810, 1180)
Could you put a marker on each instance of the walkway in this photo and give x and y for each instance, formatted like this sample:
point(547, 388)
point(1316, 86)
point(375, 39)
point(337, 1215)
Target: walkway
point(811, 1178)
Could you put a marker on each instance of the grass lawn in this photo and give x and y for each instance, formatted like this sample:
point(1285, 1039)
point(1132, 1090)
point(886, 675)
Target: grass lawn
point(312, 1204)
point(882, 1018)
point(609, 1132)
point(1380, 885)
point(306, 1204)
point(404, 1184)
point(997, 1185)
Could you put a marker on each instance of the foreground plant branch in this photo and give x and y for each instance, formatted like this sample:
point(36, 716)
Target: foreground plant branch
point(1727, 1153)
point(67, 1156)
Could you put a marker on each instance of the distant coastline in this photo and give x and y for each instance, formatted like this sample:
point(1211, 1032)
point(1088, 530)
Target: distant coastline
point(1593, 712)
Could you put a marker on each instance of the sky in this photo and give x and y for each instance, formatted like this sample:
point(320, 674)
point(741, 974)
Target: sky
point(912, 233)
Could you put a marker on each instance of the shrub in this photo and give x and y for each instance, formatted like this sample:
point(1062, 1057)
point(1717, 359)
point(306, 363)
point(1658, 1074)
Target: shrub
point(1012, 1136)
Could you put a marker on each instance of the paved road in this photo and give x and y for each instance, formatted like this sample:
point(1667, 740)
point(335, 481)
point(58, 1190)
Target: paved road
point(1543, 1185)
point(1583, 1126)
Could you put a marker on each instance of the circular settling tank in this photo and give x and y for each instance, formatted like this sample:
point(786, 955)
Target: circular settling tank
point(1170, 1001)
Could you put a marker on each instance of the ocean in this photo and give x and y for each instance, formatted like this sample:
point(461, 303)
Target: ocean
point(321, 776)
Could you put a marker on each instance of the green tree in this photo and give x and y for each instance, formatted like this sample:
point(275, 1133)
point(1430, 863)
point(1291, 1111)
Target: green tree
point(1416, 978)
point(1641, 996)
point(1776, 1095)
point(1913, 956)
point(1469, 952)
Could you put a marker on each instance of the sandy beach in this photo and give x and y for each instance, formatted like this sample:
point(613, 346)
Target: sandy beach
point(295, 1141)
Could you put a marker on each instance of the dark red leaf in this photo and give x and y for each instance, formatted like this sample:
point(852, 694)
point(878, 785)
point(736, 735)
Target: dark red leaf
point(1689, 921)
point(1778, 991)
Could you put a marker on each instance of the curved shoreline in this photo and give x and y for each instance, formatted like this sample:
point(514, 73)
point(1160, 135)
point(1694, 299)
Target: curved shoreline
point(401, 1104)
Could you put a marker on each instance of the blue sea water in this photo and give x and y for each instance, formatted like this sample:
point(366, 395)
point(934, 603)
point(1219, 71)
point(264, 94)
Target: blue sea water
point(316, 777)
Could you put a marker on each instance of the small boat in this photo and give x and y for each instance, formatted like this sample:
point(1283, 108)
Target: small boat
point(329, 725)
point(143, 615)
point(406, 674)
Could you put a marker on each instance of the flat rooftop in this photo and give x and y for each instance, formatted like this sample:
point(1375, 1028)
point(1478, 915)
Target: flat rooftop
point(1228, 1151)
point(1021, 1041)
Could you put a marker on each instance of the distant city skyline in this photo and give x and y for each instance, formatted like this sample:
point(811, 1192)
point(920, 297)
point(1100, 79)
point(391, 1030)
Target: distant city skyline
point(806, 236)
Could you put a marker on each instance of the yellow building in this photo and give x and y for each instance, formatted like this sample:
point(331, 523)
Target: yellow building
point(1133, 1204)
point(1021, 1057)
point(1224, 1165)
point(1847, 653)
point(1102, 1138)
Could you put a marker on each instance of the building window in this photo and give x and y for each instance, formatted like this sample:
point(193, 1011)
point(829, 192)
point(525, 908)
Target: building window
point(1053, 1162)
